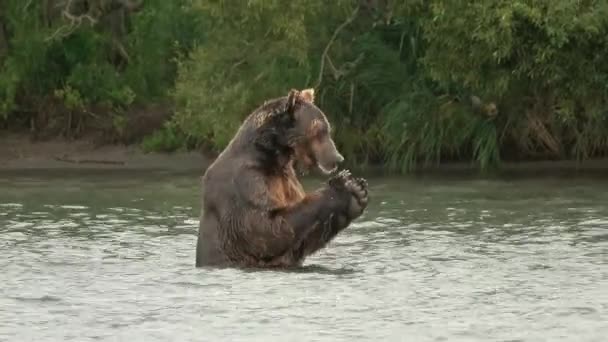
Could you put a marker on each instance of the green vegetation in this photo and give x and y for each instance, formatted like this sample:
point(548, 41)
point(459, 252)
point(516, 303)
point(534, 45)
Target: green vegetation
point(75, 66)
point(404, 82)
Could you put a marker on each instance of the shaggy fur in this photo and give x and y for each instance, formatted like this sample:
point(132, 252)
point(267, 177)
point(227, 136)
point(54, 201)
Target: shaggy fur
point(255, 212)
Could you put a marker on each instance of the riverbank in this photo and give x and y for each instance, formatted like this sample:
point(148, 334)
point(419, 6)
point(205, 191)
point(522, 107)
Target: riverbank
point(19, 153)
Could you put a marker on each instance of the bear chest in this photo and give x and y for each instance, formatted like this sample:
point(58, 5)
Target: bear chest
point(285, 191)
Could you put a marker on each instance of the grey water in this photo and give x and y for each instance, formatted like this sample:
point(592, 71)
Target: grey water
point(110, 257)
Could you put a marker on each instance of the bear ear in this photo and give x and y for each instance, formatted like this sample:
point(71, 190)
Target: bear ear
point(308, 95)
point(292, 97)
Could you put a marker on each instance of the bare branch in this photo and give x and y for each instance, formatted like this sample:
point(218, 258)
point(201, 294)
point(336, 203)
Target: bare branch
point(27, 4)
point(331, 41)
point(234, 66)
point(121, 50)
point(74, 22)
point(333, 68)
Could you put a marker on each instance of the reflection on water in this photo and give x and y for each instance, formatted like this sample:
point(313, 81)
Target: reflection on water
point(102, 257)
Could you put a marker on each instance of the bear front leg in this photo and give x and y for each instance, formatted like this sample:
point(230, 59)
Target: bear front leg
point(327, 228)
point(264, 232)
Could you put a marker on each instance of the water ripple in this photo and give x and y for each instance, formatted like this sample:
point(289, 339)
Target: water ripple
point(470, 261)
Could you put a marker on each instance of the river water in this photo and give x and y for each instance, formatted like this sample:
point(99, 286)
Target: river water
point(109, 257)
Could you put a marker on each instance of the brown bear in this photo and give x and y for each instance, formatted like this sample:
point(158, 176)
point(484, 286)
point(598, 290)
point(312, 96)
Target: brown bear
point(255, 212)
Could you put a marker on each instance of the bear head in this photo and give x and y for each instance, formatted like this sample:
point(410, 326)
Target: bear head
point(297, 130)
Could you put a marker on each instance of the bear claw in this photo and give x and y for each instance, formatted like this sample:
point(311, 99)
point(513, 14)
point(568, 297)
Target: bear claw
point(344, 181)
point(341, 179)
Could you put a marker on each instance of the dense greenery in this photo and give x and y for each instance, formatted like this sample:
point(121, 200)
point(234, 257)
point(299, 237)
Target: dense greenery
point(69, 65)
point(403, 82)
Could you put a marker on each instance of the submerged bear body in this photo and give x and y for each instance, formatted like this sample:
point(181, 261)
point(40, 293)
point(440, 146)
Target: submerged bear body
point(255, 212)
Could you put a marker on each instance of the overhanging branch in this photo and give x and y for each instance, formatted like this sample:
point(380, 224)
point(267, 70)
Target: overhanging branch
point(331, 41)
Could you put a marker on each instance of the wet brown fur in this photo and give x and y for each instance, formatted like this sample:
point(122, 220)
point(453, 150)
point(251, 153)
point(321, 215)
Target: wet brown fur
point(286, 189)
point(255, 211)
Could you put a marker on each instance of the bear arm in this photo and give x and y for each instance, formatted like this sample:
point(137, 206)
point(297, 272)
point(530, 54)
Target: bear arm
point(323, 233)
point(272, 230)
point(269, 234)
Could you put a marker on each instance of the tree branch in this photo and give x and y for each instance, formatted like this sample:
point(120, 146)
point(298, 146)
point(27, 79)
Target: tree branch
point(332, 67)
point(74, 22)
point(93, 15)
point(331, 41)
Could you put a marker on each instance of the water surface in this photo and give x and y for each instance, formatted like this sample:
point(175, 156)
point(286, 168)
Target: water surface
point(109, 257)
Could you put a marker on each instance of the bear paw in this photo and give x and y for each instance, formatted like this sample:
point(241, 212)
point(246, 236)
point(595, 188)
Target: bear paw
point(356, 187)
point(360, 196)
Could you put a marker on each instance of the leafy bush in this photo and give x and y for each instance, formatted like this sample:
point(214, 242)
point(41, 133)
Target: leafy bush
point(107, 57)
point(166, 139)
point(398, 80)
point(541, 60)
point(404, 83)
